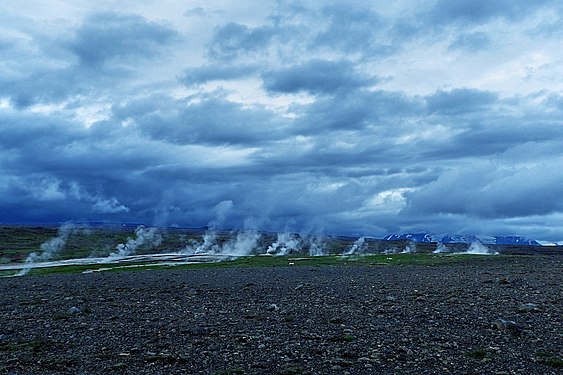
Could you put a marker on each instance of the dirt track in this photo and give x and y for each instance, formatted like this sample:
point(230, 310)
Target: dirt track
point(485, 316)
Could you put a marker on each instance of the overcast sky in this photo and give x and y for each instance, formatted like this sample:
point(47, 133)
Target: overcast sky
point(315, 116)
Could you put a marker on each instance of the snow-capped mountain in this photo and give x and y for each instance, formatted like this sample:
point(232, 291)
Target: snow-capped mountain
point(416, 237)
point(515, 240)
point(456, 238)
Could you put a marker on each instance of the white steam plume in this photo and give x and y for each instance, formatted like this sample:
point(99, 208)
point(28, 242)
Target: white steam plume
point(143, 237)
point(48, 248)
point(359, 246)
point(206, 246)
point(477, 247)
point(409, 248)
point(316, 246)
point(243, 244)
point(440, 248)
point(285, 244)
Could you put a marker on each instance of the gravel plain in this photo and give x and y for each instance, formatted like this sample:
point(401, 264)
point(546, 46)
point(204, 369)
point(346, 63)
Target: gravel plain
point(480, 316)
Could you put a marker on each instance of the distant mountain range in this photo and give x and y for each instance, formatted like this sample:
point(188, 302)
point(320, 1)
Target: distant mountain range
point(449, 238)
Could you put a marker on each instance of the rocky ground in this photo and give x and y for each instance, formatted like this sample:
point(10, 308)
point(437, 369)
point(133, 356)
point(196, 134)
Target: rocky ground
point(491, 316)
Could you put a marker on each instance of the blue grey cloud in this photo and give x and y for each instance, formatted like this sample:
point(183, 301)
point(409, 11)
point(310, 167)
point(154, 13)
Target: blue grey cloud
point(489, 193)
point(459, 101)
point(316, 76)
point(344, 118)
point(206, 73)
point(213, 120)
point(480, 11)
point(107, 37)
point(358, 110)
point(353, 29)
point(106, 47)
point(233, 39)
point(472, 41)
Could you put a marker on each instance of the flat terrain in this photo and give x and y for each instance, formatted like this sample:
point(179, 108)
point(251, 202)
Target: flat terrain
point(493, 315)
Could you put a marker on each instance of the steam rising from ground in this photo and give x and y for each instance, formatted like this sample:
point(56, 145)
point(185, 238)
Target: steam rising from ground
point(146, 237)
point(358, 247)
point(236, 244)
point(49, 248)
point(440, 248)
point(317, 246)
point(284, 244)
point(477, 247)
point(247, 242)
point(287, 243)
point(410, 248)
point(244, 243)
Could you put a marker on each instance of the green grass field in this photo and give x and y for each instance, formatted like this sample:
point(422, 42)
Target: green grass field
point(268, 261)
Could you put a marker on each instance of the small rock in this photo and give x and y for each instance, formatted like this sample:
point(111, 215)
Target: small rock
point(528, 307)
point(272, 307)
point(74, 311)
point(507, 325)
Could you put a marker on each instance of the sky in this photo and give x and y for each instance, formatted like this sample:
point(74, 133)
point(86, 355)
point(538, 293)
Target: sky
point(334, 117)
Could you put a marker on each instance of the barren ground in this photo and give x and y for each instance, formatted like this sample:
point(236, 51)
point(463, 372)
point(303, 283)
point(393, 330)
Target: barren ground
point(494, 316)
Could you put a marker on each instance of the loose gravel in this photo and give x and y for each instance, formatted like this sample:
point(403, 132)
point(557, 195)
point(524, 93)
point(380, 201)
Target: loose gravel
point(485, 316)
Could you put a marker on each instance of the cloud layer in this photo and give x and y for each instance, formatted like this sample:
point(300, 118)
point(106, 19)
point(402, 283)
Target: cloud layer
point(334, 117)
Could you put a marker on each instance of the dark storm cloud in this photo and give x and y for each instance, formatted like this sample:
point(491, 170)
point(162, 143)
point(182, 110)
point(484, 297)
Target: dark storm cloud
point(316, 76)
point(357, 110)
point(491, 193)
point(311, 117)
point(108, 37)
point(496, 136)
point(107, 47)
point(212, 120)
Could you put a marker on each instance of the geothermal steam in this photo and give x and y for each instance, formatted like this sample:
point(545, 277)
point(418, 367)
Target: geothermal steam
point(243, 244)
point(143, 237)
point(358, 247)
point(48, 249)
point(284, 244)
point(287, 243)
point(477, 247)
point(440, 248)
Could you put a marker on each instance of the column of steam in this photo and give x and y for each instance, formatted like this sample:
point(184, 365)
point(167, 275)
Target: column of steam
point(48, 249)
point(357, 247)
point(143, 237)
